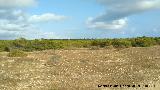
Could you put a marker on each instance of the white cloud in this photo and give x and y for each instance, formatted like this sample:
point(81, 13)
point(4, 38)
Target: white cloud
point(5, 35)
point(16, 3)
point(116, 10)
point(46, 17)
point(11, 27)
point(13, 20)
point(16, 23)
point(41, 34)
point(115, 24)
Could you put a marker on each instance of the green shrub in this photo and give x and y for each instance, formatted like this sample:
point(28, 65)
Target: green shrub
point(144, 42)
point(95, 43)
point(17, 53)
point(100, 43)
point(157, 41)
point(45, 44)
point(7, 49)
point(117, 43)
point(108, 42)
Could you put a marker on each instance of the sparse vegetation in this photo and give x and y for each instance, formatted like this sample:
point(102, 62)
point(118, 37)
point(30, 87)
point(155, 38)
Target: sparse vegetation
point(81, 69)
point(17, 53)
point(54, 60)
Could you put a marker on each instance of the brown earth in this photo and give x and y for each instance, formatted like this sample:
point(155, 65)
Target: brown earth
point(82, 69)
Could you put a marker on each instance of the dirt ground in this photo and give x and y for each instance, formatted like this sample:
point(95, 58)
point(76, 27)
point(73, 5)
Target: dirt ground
point(82, 69)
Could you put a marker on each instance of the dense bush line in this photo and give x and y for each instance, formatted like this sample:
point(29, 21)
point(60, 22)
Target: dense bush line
point(44, 44)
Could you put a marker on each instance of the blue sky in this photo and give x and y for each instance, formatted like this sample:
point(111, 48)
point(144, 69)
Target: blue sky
point(59, 19)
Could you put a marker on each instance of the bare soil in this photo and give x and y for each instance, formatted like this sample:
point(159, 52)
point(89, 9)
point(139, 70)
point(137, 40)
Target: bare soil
point(82, 69)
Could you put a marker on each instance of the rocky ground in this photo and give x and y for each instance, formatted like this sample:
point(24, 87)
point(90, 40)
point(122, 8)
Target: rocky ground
point(82, 69)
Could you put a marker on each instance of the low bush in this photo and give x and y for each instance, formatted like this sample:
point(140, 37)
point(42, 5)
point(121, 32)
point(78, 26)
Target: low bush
point(144, 42)
point(109, 47)
point(17, 53)
point(94, 48)
point(121, 43)
point(7, 49)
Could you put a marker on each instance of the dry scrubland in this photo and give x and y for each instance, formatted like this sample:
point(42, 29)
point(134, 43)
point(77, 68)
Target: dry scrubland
point(81, 69)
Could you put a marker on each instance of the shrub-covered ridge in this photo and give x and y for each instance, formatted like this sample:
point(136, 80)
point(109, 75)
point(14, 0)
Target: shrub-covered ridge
point(44, 44)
